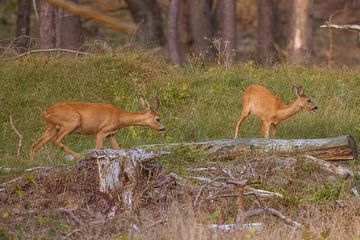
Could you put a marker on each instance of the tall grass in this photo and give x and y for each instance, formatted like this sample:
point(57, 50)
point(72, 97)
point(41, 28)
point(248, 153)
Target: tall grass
point(199, 102)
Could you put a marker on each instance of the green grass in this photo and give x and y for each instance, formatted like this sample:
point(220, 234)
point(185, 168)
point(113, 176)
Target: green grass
point(197, 103)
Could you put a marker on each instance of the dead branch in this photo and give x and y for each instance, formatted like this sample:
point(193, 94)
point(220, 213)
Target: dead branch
point(274, 212)
point(228, 227)
point(196, 202)
point(20, 136)
point(262, 193)
point(103, 19)
point(202, 169)
point(44, 50)
point(331, 168)
point(345, 26)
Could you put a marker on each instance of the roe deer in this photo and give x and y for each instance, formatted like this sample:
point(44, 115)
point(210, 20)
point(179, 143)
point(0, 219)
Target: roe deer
point(270, 109)
point(100, 119)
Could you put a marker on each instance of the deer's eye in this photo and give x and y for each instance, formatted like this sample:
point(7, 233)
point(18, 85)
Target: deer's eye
point(309, 100)
point(157, 119)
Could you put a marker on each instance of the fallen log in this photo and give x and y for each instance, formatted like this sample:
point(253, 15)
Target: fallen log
point(330, 149)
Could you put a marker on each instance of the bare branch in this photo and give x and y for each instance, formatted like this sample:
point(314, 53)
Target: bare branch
point(103, 19)
point(345, 27)
point(20, 136)
point(274, 212)
point(44, 50)
point(196, 202)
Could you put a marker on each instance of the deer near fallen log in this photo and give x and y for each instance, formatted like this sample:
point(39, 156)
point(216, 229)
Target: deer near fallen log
point(99, 119)
point(270, 109)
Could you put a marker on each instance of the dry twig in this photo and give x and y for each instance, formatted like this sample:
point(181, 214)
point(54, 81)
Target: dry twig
point(20, 136)
point(44, 50)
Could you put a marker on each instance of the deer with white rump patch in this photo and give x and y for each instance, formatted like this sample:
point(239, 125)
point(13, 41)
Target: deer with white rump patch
point(99, 119)
point(270, 109)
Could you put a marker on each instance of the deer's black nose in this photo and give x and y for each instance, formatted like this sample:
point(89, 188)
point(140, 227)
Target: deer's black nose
point(314, 108)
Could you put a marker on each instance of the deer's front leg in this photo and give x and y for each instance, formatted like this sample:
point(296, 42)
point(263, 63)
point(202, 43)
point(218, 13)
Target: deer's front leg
point(100, 140)
point(265, 127)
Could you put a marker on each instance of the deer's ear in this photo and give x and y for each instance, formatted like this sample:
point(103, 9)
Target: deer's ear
point(298, 89)
point(144, 104)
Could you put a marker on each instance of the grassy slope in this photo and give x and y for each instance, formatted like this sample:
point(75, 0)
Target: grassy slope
point(198, 102)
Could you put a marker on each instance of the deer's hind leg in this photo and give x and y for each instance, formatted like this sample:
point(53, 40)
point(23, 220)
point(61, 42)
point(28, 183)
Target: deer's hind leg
point(49, 134)
point(63, 131)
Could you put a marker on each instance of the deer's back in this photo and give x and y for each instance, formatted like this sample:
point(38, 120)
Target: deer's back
point(261, 101)
point(90, 117)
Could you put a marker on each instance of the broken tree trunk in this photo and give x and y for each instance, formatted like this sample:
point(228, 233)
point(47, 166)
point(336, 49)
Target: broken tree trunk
point(119, 172)
point(336, 148)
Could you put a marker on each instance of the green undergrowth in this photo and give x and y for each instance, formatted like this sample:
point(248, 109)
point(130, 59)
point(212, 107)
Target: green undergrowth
point(198, 102)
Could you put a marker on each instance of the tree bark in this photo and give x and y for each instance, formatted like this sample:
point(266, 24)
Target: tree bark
point(119, 172)
point(201, 26)
point(337, 148)
point(68, 29)
point(147, 13)
point(173, 33)
point(300, 37)
point(266, 54)
point(23, 25)
point(47, 25)
point(229, 32)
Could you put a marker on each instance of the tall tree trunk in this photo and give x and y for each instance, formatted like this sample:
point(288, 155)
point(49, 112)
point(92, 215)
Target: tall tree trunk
point(265, 33)
point(47, 25)
point(23, 25)
point(229, 32)
point(201, 26)
point(68, 30)
point(282, 9)
point(300, 37)
point(173, 33)
point(147, 13)
point(59, 28)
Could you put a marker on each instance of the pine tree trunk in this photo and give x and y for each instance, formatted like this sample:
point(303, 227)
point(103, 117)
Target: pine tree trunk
point(173, 32)
point(68, 30)
point(300, 37)
point(266, 55)
point(147, 13)
point(229, 32)
point(23, 25)
point(47, 25)
point(201, 26)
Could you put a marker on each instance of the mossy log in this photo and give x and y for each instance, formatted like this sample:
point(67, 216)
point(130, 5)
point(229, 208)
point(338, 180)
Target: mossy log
point(329, 149)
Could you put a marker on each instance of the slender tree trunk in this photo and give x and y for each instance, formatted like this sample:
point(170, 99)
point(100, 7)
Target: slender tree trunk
point(265, 33)
point(147, 13)
point(201, 26)
point(229, 32)
point(68, 30)
point(47, 25)
point(185, 37)
point(300, 37)
point(23, 25)
point(173, 33)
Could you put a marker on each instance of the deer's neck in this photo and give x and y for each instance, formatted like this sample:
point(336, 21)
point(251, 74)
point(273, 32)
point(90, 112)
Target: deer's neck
point(131, 119)
point(287, 111)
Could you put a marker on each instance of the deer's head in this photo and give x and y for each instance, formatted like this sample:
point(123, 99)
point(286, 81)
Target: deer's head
point(152, 117)
point(304, 101)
